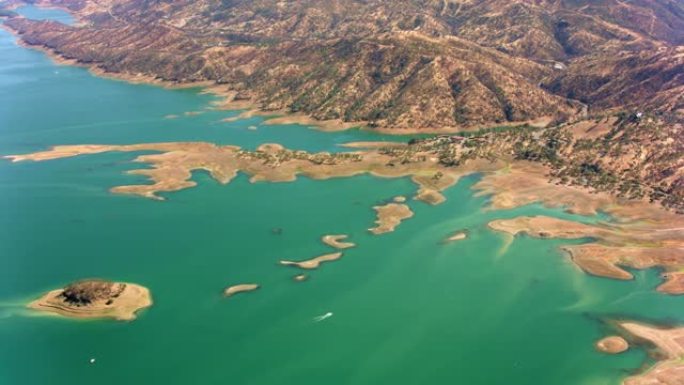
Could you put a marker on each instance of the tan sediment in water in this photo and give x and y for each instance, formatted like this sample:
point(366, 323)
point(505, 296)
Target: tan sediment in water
point(389, 217)
point(612, 345)
point(336, 241)
point(458, 236)
point(242, 288)
point(399, 199)
point(638, 246)
point(124, 306)
point(670, 346)
point(313, 263)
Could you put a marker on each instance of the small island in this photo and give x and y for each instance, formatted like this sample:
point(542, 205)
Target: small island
point(457, 236)
point(389, 217)
point(612, 345)
point(95, 298)
point(337, 241)
point(314, 262)
point(245, 287)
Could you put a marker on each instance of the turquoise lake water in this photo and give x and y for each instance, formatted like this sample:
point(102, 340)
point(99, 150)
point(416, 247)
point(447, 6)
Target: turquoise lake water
point(408, 309)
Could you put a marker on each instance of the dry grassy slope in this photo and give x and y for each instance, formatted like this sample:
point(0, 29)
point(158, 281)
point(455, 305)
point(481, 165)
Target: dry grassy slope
point(647, 150)
point(405, 63)
point(648, 79)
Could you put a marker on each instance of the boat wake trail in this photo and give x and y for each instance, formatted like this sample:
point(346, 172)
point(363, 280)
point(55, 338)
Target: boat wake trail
point(323, 317)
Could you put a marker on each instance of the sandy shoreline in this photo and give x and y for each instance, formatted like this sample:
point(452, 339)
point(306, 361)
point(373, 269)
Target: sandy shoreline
point(670, 346)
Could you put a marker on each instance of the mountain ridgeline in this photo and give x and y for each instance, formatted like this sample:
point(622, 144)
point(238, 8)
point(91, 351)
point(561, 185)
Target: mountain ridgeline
point(418, 64)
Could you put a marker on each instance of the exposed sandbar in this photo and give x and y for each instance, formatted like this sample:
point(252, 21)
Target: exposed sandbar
point(457, 236)
point(313, 263)
point(242, 288)
point(95, 299)
point(336, 241)
point(389, 217)
point(612, 345)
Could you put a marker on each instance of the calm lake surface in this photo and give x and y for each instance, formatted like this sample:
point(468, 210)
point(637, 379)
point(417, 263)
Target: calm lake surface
point(408, 309)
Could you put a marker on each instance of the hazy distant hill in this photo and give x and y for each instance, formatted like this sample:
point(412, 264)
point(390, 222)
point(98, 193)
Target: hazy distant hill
point(400, 63)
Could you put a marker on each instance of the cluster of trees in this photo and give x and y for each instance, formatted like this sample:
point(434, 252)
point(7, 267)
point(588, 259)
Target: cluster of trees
point(632, 160)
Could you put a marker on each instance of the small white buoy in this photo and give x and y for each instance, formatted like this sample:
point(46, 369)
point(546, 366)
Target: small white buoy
point(92, 360)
